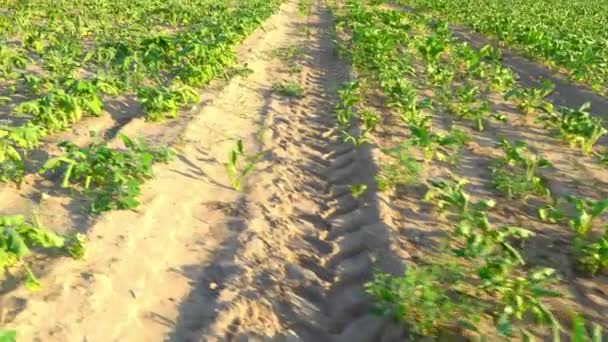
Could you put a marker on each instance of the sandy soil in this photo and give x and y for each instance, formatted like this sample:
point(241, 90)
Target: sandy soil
point(286, 258)
point(199, 261)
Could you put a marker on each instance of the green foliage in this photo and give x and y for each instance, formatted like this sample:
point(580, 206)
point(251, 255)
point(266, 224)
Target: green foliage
point(446, 194)
point(161, 102)
point(111, 178)
point(349, 94)
point(357, 190)
point(592, 256)
point(18, 237)
point(582, 216)
point(580, 333)
point(537, 29)
point(431, 48)
point(8, 336)
point(577, 127)
point(386, 48)
point(369, 119)
point(403, 169)
point(304, 7)
point(288, 89)
point(83, 52)
point(14, 142)
point(464, 104)
point(474, 237)
point(516, 173)
point(492, 278)
point(237, 170)
point(530, 100)
point(404, 98)
point(441, 146)
point(356, 140)
point(602, 158)
point(522, 295)
point(422, 299)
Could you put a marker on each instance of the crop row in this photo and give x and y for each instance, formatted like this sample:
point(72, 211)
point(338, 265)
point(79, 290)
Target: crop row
point(481, 276)
point(60, 61)
point(565, 34)
point(59, 68)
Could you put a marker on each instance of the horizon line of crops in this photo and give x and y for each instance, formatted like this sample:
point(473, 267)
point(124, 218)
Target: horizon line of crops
point(563, 34)
point(378, 40)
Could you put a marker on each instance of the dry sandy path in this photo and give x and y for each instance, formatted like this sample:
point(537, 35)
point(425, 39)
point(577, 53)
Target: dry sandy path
point(284, 260)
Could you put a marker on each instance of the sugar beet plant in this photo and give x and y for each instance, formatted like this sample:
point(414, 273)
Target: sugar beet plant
point(110, 178)
point(18, 237)
point(439, 146)
point(483, 275)
point(446, 294)
point(531, 100)
point(516, 173)
point(583, 216)
point(576, 126)
point(498, 263)
point(14, 144)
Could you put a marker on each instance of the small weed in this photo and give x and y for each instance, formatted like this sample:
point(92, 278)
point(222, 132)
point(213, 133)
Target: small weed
point(288, 53)
point(236, 170)
point(357, 190)
point(288, 89)
point(403, 170)
point(304, 7)
point(241, 71)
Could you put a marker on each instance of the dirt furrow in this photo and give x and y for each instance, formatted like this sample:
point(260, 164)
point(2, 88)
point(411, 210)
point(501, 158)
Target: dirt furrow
point(308, 246)
point(142, 265)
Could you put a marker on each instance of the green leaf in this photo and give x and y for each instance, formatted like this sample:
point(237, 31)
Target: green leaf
point(8, 336)
point(39, 237)
point(31, 282)
point(16, 244)
point(599, 207)
point(579, 332)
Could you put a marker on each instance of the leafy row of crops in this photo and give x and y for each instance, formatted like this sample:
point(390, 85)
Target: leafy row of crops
point(481, 278)
point(565, 34)
point(61, 61)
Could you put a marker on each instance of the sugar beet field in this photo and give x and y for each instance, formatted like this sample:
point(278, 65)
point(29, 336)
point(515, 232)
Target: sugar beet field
point(303, 170)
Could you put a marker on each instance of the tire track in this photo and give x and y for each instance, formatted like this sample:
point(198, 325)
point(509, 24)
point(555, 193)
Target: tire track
point(309, 246)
